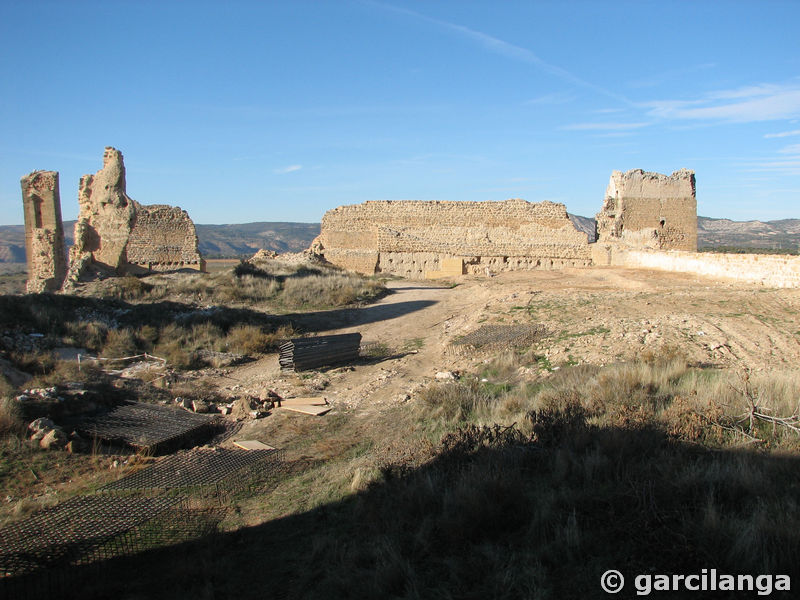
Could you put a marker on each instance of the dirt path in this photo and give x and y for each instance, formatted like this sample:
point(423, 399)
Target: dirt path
point(594, 316)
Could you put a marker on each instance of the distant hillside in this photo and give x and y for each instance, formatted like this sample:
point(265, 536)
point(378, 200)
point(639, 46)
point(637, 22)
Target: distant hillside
point(584, 224)
point(769, 235)
point(246, 238)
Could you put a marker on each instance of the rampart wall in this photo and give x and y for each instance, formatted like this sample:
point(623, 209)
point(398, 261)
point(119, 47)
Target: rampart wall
point(163, 238)
point(410, 238)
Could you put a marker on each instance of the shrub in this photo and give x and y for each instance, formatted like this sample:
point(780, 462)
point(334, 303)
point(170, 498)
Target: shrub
point(120, 343)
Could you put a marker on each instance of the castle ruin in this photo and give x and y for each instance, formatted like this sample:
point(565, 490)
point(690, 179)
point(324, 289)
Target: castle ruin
point(44, 232)
point(415, 239)
point(650, 210)
point(114, 234)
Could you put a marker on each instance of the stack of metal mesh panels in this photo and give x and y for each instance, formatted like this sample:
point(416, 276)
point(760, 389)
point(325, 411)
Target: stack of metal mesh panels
point(302, 354)
point(148, 428)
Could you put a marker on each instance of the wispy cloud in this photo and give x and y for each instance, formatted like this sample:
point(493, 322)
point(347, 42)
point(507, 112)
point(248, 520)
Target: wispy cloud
point(554, 98)
point(506, 49)
point(603, 126)
point(659, 78)
point(782, 134)
point(793, 149)
point(764, 102)
point(288, 169)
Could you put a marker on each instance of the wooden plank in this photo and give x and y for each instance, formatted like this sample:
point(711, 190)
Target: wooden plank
point(252, 445)
point(309, 409)
point(317, 401)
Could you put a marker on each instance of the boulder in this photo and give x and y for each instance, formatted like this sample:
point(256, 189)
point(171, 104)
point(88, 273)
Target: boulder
point(54, 439)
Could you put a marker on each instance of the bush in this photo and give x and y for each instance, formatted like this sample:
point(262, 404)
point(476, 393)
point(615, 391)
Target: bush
point(120, 343)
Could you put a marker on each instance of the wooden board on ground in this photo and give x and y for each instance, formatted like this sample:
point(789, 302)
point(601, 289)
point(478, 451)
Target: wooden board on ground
point(309, 409)
point(320, 401)
point(252, 445)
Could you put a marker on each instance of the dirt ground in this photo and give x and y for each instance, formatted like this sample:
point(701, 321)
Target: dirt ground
point(595, 316)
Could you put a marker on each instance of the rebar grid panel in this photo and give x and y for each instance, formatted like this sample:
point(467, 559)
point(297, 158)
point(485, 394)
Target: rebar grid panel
point(146, 427)
point(39, 556)
point(503, 335)
point(72, 532)
point(217, 469)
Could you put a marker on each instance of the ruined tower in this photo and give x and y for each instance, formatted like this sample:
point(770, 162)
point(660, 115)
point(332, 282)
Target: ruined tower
point(44, 231)
point(117, 235)
point(649, 210)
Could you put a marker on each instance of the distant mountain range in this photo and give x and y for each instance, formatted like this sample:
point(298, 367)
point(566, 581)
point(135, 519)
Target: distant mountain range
point(218, 241)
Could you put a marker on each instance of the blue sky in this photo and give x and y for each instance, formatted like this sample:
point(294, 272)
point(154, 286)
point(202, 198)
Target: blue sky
point(279, 111)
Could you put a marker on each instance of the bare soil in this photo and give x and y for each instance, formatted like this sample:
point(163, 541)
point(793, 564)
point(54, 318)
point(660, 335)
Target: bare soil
point(593, 316)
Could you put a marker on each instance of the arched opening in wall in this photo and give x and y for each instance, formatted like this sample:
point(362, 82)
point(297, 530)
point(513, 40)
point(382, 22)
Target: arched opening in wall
point(662, 222)
point(37, 212)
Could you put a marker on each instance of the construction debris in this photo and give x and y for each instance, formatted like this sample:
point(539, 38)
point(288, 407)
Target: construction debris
point(302, 354)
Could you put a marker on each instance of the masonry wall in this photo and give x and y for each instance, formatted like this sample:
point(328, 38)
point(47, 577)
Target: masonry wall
point(409, 238)
point(767, 269)
point(163, 238)
point(44, 232)
point(650, 210)
point(117, 235)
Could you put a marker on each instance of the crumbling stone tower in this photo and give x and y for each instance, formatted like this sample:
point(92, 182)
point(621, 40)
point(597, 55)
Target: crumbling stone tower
point(649, 210)
point(44, 232)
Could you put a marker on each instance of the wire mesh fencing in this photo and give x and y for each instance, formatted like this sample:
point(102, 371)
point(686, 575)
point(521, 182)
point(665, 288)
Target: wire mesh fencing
point(148, 428)
point(503, 336)
point(38, 554)
point(203, 472)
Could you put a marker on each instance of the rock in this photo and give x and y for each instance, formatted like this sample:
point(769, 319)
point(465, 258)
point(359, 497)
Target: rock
point(54, 439)
point(224, 409)
point(241, 409)
point(41, 424)
point(200, 406)
point(446, 376)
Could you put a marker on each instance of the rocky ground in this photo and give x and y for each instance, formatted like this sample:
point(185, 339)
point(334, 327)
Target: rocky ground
point(594, 316)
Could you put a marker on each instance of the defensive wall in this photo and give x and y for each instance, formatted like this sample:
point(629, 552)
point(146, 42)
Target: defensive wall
point(648, 220)
point(412, 238)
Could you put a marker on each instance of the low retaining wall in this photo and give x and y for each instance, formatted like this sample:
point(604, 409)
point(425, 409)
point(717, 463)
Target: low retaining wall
point(771, 270)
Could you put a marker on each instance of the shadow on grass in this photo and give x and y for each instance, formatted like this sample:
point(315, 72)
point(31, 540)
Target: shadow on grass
point(501, 519)
point(49, 313)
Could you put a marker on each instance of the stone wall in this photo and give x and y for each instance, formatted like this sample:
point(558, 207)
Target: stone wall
point(116, 234)
point(44, 232)
point(163, 238)
point(772, 270)
point(650, 210)
point(410, 238)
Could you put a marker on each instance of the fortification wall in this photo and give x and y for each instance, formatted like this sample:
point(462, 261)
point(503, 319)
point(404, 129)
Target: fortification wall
point(767, 269)
point(44, 232)
point(117, 234)
point(163, 238)
point(650, 210)
point(410, 238)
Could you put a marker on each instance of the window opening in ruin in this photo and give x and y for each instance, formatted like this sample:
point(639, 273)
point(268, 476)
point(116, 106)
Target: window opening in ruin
point(663, 222)
point(37, 211)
